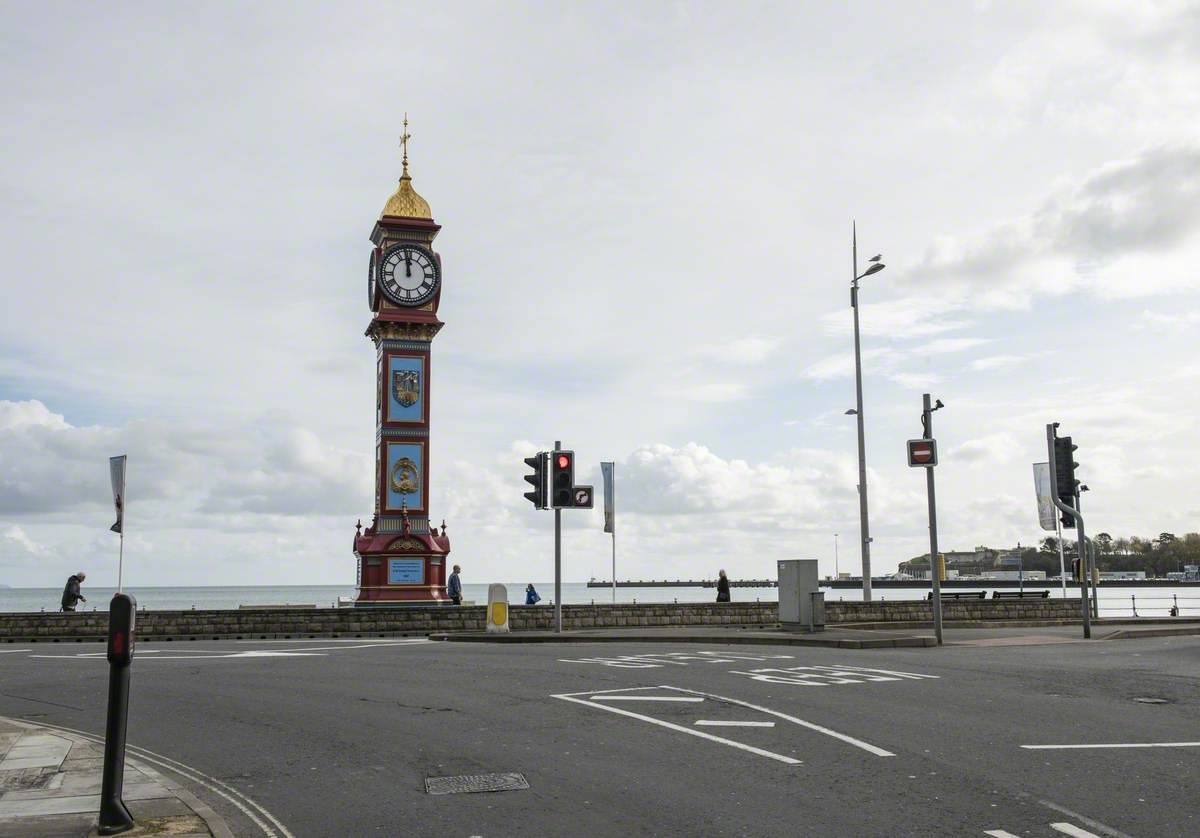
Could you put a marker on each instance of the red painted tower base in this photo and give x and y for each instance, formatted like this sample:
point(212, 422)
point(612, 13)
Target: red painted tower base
point(404, 569)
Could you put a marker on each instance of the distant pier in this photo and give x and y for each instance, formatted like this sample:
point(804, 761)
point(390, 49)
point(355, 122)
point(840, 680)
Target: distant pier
point(685, 583)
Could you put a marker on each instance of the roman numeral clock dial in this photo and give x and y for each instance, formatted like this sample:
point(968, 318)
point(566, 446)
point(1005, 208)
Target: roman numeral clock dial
point(408, 275)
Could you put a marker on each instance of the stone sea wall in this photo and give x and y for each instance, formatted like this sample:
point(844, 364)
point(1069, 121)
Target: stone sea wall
point(350, 622)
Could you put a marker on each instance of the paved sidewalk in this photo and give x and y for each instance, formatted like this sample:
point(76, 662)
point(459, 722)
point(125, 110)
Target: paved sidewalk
point(50, 788)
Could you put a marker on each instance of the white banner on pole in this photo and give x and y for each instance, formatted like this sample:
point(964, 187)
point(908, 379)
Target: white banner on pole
point(116, 469)
point(1045, 500)
point(610, 499)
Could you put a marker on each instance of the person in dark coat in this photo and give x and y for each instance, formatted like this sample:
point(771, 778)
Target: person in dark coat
point(71, 594)
point(722, 587)
point(454, 586)
point(531, 596)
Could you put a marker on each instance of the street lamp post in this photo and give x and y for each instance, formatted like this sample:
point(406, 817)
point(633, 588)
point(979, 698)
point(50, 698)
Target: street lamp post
point(836, 574)
point(864, 527)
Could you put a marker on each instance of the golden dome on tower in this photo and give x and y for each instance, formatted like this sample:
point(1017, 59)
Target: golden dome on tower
point(405, 202)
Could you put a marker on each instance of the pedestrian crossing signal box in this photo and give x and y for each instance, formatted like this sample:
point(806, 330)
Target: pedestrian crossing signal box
point(122, 615)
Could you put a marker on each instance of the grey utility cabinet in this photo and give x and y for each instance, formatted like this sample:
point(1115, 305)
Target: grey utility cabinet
point(801, 601)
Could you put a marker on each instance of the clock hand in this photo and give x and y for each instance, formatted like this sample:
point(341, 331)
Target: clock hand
point(407, 263)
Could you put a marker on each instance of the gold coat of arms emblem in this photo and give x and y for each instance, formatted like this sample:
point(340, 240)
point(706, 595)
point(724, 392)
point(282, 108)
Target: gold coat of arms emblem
point(406, 386)
point(404, 476)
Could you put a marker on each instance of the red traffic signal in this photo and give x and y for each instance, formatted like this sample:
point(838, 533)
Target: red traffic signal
point(562, 479)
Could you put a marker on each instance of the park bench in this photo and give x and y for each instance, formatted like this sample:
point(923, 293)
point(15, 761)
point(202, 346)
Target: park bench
point(960, 595)
point(1020, 594)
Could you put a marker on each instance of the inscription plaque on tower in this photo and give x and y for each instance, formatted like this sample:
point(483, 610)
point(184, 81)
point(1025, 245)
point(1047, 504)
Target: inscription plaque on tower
point(400, 555)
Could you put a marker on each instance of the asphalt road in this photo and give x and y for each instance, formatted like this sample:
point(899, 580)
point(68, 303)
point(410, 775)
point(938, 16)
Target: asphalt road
point(337, 738)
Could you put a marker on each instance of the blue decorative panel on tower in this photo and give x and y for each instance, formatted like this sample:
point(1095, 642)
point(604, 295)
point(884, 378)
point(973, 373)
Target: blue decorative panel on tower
point(405, 475)
point(405, 388)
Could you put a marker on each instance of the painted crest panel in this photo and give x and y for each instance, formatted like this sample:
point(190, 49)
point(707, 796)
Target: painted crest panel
point(405, 385)
point(405, 474)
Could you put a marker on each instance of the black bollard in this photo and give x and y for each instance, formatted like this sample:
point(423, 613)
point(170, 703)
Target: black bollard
point(114, 817)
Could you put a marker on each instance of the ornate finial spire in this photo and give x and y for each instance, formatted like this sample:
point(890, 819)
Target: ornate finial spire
point(405, 202)
point(404, 138)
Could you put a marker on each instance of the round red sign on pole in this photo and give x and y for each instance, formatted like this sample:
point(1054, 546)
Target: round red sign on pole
point(922, 452)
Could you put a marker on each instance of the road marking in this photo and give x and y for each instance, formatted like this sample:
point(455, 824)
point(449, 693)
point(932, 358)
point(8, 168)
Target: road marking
point(858, 743)
point(680, 728)
point(218, 654)
point(687, 700)
point(1113, 745)
point(1094, 824)
point(654, 660)
point(998, 833)
point(824, 676)
point(716, 723)
point(10, 651)
point(1068, 829)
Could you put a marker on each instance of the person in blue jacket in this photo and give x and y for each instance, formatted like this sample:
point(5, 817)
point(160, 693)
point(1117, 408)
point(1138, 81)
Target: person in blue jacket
point(531, 596)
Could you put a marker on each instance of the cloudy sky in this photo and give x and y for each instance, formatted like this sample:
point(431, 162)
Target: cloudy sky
point(646, 243)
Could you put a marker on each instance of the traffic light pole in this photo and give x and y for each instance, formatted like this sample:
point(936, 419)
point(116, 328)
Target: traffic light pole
point(557, 561)
point(1074, 513)
point(1088, 564)
point(934, 565)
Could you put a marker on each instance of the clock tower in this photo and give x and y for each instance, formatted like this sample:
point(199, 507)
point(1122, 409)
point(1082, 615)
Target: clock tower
point(401, 558)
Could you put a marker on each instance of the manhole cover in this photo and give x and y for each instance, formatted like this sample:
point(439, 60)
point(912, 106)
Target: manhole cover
point(1149, 700)
point(475, 782)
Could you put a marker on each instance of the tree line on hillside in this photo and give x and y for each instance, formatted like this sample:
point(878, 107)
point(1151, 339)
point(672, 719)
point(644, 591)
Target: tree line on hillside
point(1159, 556)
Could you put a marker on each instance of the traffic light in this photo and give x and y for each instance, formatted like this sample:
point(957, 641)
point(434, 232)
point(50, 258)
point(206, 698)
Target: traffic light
point(538, 496)
point(1064, 476)
point(562, 479)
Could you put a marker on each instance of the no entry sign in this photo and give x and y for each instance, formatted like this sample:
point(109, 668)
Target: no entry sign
point(922, 453)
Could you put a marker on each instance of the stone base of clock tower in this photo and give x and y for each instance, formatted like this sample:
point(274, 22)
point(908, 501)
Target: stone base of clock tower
point(402, 568)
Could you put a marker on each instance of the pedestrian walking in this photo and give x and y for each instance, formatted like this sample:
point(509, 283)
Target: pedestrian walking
point(722, 587)
point(71, 594)
point(531, 596)
point(454, 586)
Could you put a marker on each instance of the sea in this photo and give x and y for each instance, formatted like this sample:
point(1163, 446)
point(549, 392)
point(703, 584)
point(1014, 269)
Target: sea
point(1145, 601)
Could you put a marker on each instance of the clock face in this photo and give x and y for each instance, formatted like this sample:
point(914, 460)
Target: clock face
point(409, 274)
point(372, 272)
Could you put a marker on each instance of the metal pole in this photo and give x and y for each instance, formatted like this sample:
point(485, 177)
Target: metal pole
point(613, 470)
point(121, 557)
point(1020, 571)
point(1083, 600)
point(1062, 560)
point(557, 562)
point(1087, 562)
point(864, 528)
point(934, 568)
point(836, 574)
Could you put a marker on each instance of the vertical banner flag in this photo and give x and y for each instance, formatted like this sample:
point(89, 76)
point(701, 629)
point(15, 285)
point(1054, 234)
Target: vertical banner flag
point(610, 501)
point(1045, 502)
point(116, 469)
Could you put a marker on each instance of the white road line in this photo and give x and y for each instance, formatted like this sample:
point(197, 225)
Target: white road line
point(10, 651)
point(858, 743)
point(646, 698)
point(1069, 829)
point(998, 833)
point(716, 723)
point(682, 729)
point(1113, 745)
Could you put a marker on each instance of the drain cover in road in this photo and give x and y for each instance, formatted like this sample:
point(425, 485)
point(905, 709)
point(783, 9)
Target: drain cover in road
point(475, 782)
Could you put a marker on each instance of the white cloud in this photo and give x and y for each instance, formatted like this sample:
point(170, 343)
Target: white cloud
point(1177, 321)
point(995, 448)
point(915, 380)
point(747, 350)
